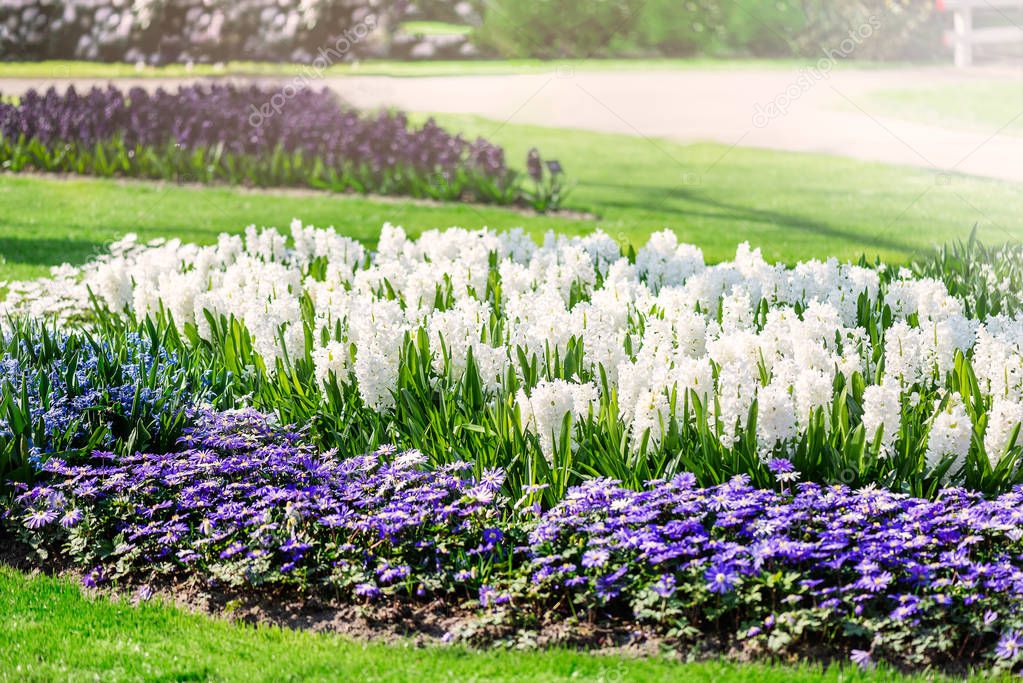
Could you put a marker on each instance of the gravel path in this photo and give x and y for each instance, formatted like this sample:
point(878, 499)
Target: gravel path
point(797, 110)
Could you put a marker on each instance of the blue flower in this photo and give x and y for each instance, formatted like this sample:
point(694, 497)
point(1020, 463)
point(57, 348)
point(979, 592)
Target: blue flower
point(665, 586)
point(861, 658)
point(721, 579)
point(39, 518)
point(595, 558)
point(1009, 645)
point(367, 590)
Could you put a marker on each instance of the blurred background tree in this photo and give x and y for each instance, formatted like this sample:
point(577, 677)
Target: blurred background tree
point(905, 29)
point(556, 28)
point(162, 31)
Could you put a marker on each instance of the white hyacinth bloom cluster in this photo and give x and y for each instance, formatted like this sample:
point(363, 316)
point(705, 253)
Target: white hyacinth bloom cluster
point(543, 411)
point(882, 410)
point(950, 435)
point(1004, 419)
point(653, 335)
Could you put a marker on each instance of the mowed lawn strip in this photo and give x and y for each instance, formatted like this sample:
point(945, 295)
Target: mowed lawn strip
point(54, 631)
point(53, 69)
point(985, 105)
point(794, 206)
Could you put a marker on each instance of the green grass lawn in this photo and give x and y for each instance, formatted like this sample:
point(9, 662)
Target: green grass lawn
point(52, 631)
point(794, 206)
point(82, 69)
point(982, 105)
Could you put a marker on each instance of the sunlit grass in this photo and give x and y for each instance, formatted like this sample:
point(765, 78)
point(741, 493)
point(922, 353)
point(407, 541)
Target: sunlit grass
point(794, 206)
point(981, 105)
point(98, 70)
point(52, 631)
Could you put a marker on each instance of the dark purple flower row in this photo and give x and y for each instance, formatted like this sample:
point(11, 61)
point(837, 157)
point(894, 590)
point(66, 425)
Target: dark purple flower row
point(913, 580)
point(248, 121)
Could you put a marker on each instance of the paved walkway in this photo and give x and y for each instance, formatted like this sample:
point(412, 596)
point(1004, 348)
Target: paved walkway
point(785, 109)
point(831, 114)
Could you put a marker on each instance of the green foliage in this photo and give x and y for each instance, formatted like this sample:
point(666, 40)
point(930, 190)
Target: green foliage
point(554, 28)
point(711, 27)
point(988, 279)
point(211, 165)
point(121, 387)
point(797, 28)
point(880, 29)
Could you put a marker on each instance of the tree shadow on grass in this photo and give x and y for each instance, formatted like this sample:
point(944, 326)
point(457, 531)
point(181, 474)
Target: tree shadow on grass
point(659, 198)
point(45, 251)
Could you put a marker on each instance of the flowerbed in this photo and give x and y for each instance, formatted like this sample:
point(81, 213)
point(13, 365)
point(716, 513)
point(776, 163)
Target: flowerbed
point(741, 456)
point(260, 136)
point(573, 359)
point(126, 391)
point(248, 504)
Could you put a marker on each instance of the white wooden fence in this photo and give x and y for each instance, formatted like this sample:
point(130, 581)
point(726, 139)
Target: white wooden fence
point(964, 36)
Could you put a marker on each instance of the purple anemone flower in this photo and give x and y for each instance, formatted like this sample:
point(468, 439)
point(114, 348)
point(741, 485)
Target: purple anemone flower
point(1009, 645)
point(721, 579)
